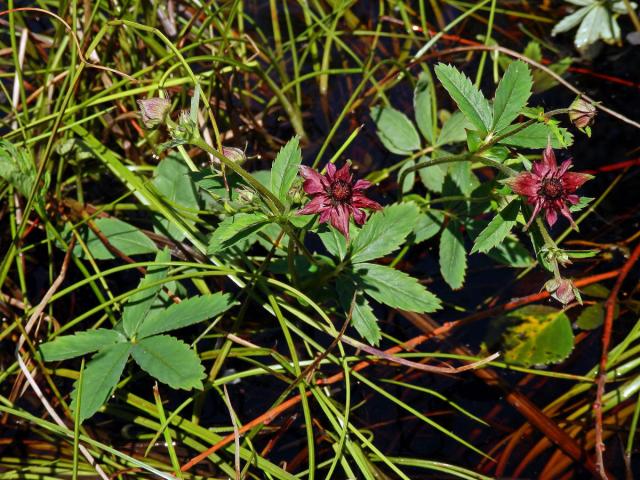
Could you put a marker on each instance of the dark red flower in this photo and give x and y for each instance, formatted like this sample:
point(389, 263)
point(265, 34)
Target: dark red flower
point(336, 196)
point(549, 187)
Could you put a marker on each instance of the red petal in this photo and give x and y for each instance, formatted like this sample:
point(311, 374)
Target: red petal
point(549, 158)
point(572, 181)
point(564, 166)
point(525, 183)
point(340, 219)
point(316, 205)
point(536, 209)
point(573, 199)
point(551, 216)
point(567, 214)
point(359, 216)
point(325, 215)
point(313, 181)
point(343, 173)
point(360, 201)
point(361, 185)
point(331, 171)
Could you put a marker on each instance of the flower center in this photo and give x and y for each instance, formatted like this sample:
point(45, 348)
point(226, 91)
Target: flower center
point(340, 191)
point(552, 188)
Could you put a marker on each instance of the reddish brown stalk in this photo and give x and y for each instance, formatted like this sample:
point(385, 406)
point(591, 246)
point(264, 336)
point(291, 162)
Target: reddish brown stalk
point(273, 413)
point(610, 306)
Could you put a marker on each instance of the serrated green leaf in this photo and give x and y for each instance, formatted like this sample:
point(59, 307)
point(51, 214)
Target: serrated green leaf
point(170, 361)
point(173, 181)
point(362, 316)
point(17, 168)
point(384, 232)
point(539, 335)
point(453, 256)
point(427, 225)
point(469, 99)
point(463, 177)
point(285, 169)
point(188, 312)
point(432, 177)
point(395, 130)
point(334, 242)
point(498, 228)
point(394, 288)
point(423, 107)
point(139, 304)
point(512, 94)
point(81, 343)
point(234, 229)
point(454, 129)
point(100, 378)
point(535, 136)
point(121, 235)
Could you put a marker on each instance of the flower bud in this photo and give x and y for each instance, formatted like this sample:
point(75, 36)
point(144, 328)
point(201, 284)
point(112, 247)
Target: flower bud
point(581, 113)
point(154, 111)
point(563, 290)
point(234, 154)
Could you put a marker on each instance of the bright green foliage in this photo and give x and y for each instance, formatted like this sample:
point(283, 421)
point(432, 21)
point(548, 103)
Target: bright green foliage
point(428, 225)
point(285, 169)
point(175, 185)
point(17, 168)
point(170, 361)
point(121, 235)
point(540, 335)
point(384, 232)
point(423, 103)
point(71, 346)
point(395, 130)
point(362, 317)
point(100, 378)
point(188, 312)
point(235, 229)
point(469, 99)
point(511, 95)
point(498, 228)
point(453, 255)
point(537, 135)
point(395, 288)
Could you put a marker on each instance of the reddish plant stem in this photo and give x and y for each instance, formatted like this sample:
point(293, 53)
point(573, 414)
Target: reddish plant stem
point(610, 306)
point(446, 328)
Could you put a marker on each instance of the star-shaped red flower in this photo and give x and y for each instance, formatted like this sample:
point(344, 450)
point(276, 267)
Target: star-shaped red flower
point(549, 188)
point(336, 197)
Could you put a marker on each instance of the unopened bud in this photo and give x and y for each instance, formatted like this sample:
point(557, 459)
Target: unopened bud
point(154, 111)
point(563, 290)
point(581, 113)
point(234, 154)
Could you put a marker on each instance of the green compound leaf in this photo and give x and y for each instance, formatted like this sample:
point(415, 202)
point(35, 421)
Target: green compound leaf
point(285, 169)
point(174, 182)
point(139, 304)
point(100, 378)
point(498, 228)
point(170, 361)
point(121, 235)
point(539, 335)
point(453, 256)
point(394, 288)
point(17, 168)
point(81, 343)
point(511, 95)
point(423, 107)
point(395, 130)
point(384, 232)
point(188, 312)
point(362, 317)
point(469, 99)
point(234, 229)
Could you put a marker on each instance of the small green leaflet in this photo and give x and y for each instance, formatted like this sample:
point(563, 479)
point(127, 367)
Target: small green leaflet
point(511, 95)
point(285, 169)
point(362, 317)
point(121, 235)
point(139, 304)
point(423, 105)
point(469, 99)
point(71, 346)
point(100, 378)
point(537, 135)
point(395, 130)
point(234, 229)
point(384, 232)
point(394, 288)
point(498, 228)
point(453, 256)
point(170, 361)
point(17, 167)
point(188, 312)
point(427, 225)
